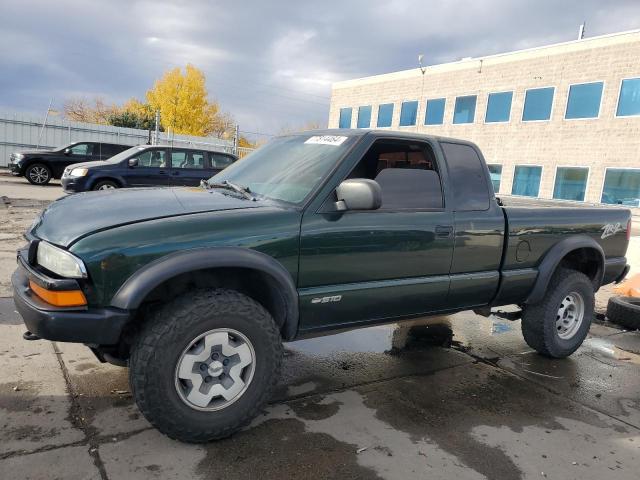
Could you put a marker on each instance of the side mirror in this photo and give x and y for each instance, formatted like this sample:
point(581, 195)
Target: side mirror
point(358, 194)
point(67, 151)
point(133, 162)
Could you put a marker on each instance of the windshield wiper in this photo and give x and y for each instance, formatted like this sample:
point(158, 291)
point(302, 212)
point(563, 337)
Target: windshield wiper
point(244, 191)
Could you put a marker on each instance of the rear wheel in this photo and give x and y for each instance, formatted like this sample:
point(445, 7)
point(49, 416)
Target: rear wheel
point(38, 174)
point(557, 325)
point(105, 185)
point(204, 364)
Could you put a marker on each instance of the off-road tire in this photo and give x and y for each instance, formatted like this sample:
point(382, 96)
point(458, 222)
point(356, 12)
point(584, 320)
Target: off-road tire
point(624, 311)
point(105, 183)
point(29, 174)
point(539, 320)
point(159, 346)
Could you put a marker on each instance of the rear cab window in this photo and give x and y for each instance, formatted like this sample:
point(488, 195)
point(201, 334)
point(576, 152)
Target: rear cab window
point(467, 177)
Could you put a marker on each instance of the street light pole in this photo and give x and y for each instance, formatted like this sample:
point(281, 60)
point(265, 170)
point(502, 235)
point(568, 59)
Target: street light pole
point(157, 132)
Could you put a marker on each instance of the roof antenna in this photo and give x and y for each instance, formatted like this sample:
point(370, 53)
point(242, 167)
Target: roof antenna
point(581, 30)
point(423, 68)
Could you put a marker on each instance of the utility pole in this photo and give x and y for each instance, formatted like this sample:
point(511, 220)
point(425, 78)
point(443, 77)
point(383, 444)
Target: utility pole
point(44, 123)
point(157, 132)
point(236, 138)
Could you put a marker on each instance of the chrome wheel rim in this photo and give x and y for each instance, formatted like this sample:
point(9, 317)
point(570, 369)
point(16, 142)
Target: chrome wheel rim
point(39, 175)
point(215, 369)
point(570, 315)
point(106, 186)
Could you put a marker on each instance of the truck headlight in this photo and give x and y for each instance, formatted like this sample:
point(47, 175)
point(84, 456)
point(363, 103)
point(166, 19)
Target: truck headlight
point(78, 172)
point(60, 261)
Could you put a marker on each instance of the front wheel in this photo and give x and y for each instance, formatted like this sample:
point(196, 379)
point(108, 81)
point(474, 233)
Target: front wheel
point(105, 185)
point(38, 174)
point(204, 364)
point(559, 323)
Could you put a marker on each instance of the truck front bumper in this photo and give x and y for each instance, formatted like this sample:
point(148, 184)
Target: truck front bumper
point(15, 169)
point(101, 326)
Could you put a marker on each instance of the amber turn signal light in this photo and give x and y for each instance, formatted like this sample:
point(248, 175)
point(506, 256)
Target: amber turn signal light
point(62, 298)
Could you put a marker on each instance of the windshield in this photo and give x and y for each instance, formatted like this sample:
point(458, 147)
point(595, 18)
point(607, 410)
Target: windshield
point(63, 148)
point(287, 168)
point(123, 155)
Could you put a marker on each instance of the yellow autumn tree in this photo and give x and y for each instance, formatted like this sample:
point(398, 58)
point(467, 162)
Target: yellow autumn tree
point(182, 100)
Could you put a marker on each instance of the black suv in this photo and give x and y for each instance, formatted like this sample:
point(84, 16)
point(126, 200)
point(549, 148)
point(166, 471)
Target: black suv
point(146, 166)
point(40, 166)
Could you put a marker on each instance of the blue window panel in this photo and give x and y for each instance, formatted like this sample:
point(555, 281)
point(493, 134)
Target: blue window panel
point(465, 109)
point(345, 118)
point(435, 112)
point(364, 116)
point(629, 101)
point(571, 183)
point(526, 181)
point(496, 173)
point(584, 100)
point(622, 187)
point(408, 113)
point(499, 107)
point(537, 104)
point(385, 114)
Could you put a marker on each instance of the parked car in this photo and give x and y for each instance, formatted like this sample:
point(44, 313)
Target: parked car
point(40, 166)
point(146, 166)
point(195, 289)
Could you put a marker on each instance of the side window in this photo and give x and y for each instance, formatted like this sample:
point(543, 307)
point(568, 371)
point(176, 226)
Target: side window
point(406, 172)
point(82, 149)
point(187, 159)
point(178, 158)
point(467, 176)
point(152, 159)
point(219, 160)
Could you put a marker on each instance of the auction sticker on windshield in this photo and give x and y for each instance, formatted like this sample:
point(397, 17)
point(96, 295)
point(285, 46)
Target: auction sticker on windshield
point(334, 140)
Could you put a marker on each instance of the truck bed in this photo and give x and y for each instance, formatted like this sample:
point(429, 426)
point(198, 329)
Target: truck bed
point(534, 226)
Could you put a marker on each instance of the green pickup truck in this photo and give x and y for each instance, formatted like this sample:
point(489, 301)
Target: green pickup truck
point(195, 289)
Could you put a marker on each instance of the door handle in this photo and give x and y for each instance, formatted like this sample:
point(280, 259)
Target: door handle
point(162, 172)
point(444, 231)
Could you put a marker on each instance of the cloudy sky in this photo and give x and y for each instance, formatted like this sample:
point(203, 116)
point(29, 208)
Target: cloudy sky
point(270, 63)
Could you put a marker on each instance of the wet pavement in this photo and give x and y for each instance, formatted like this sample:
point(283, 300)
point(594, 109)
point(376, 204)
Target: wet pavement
point(460, 396)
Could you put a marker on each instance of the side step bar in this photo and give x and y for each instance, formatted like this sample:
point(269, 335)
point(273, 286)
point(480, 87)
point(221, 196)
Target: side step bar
point(486, 312)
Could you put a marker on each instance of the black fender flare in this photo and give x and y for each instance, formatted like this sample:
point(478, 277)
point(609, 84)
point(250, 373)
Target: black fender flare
point(118, 178)
point(554, 256)
point(132, 293)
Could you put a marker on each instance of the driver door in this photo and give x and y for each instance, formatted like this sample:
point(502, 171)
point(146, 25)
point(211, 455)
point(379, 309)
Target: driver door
point(360, 267)
point(152, 168)
point(78, 153)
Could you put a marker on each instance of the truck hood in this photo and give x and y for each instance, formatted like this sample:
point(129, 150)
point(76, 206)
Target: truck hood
point(66, 220)
point(95, 163)
point(44, 151)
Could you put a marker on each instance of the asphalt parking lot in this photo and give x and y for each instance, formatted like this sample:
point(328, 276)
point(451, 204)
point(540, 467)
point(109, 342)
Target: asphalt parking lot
point(460, 396)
